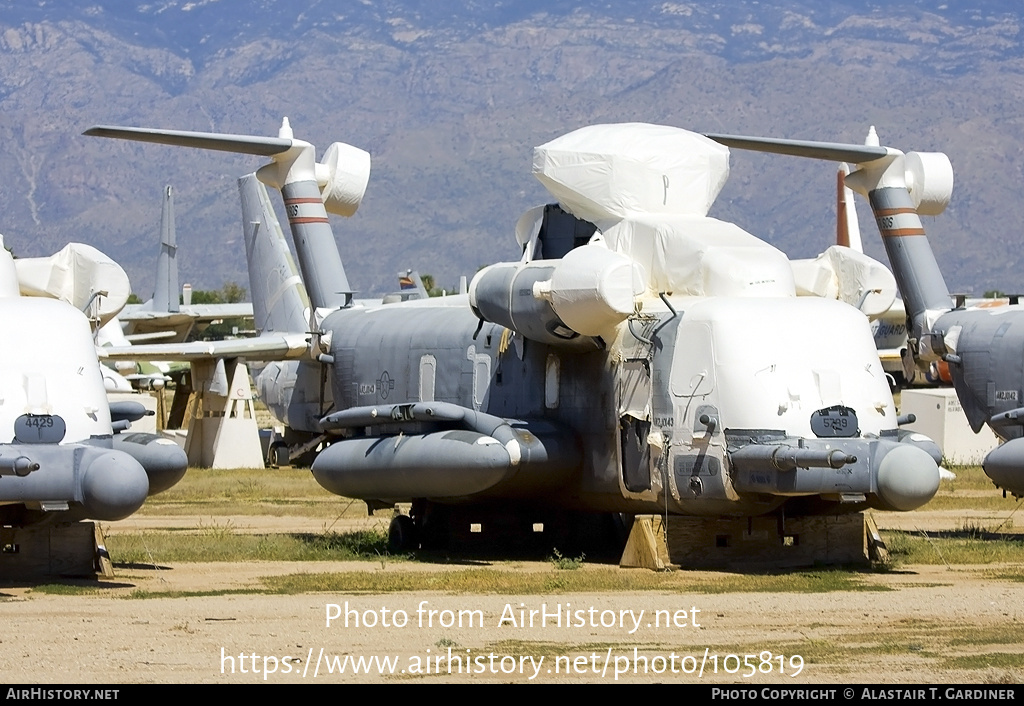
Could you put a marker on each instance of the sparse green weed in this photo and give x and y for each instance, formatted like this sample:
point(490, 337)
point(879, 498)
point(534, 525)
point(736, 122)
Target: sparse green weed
point(565, 563)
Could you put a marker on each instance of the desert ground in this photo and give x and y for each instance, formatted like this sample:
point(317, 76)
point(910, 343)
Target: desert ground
point(456, 618)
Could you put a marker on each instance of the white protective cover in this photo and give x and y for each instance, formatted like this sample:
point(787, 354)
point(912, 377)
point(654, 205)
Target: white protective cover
point(648, 189)
point(698, 256)
point(930, 178)
point(8, 275)
point(849, 276)
point(49, 367)
point(346, 174)
point(72, 275)
point(527, 229)
point(603, 173)
point(592, 289)
point(780, 359)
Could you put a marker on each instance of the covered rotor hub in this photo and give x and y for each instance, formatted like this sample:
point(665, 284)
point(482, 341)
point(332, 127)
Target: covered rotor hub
point(886, 474)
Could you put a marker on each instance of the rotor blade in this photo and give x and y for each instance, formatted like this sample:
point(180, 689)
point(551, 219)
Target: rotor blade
point(243, 144)
point(831, 151)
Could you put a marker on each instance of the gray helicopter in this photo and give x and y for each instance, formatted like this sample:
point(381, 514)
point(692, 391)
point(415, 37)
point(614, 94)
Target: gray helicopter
point(66, 453)
point(639, 357)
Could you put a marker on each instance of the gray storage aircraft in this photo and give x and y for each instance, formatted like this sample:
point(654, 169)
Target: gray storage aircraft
point(639, 358)
point(163, 316)
point(981, 344)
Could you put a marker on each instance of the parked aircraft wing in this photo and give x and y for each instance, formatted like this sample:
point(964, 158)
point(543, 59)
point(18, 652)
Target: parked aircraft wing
point(196, 312)
point(267, 347)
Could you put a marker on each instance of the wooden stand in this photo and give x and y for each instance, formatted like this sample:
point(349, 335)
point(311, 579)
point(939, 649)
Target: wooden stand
point(646, 548)
point(75, 549)
point(755, 543)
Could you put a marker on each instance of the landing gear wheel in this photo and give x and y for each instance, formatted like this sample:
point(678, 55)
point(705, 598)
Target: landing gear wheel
point(402, 534)
point(277, 455)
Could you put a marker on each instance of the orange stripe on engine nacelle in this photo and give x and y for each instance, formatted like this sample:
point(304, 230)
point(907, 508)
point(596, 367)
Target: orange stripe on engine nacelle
point(901, 232)
point(301, 221)
point(894, 211)
point(303, 200)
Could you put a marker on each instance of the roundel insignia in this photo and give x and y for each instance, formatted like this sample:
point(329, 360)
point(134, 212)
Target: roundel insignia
point(385, 385)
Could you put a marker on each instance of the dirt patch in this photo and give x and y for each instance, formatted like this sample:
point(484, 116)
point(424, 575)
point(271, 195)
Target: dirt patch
point(923, 624)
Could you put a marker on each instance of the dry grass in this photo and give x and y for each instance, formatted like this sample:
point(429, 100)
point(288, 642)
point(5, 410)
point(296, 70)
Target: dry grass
point(273, 492)
point(222, 543)
point(588, 579)
point(970, 478)
point(967, 545)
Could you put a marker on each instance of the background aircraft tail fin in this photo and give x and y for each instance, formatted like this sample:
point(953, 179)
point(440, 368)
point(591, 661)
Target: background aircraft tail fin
point(410, 281)
point(279, 300)
point(165, 292)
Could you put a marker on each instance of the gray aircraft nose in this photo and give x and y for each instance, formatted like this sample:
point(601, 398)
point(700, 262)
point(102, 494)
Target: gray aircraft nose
point(114, 486)
point(907, 477)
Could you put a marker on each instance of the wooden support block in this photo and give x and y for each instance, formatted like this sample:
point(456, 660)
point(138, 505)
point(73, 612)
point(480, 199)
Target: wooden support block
point(877, 551)
point(646, 548)
point(55, 550)
point(767, 542)
point(104, 567)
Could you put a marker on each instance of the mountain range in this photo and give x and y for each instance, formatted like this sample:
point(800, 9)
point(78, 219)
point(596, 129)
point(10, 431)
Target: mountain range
point(450, 97)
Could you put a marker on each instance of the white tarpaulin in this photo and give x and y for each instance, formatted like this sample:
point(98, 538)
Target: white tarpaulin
point(592, 289)
point(73, 275)
point(603, 173)
point(849, 276)
point(700, 256)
